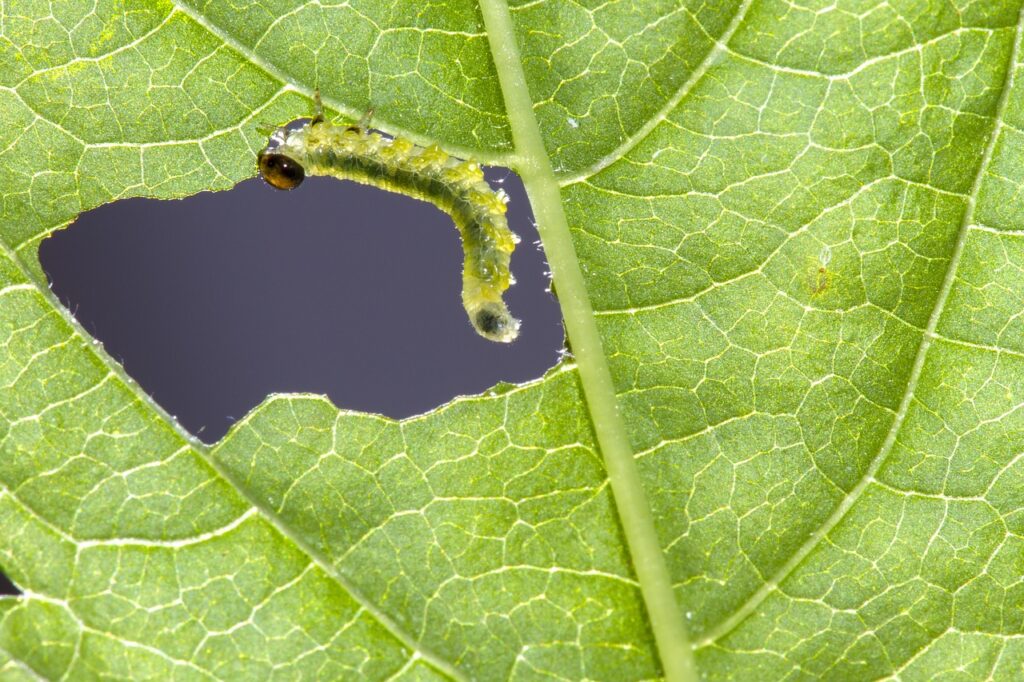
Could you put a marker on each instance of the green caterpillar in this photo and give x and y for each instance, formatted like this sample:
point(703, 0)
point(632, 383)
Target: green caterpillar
point(455, 186)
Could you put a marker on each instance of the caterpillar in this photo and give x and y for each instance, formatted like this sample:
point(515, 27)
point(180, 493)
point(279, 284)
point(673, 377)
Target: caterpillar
point(454, 185)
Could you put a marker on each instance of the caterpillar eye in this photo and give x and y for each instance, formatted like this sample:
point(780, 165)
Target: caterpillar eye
point(279, 171)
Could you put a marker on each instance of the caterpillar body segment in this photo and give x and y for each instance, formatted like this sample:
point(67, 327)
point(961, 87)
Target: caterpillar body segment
point(454, 185)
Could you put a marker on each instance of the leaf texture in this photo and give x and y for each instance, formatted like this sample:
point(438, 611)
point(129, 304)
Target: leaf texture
point(800, 226)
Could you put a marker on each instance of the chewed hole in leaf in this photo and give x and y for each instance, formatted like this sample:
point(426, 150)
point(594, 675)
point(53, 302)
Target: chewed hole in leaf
point(215, 301)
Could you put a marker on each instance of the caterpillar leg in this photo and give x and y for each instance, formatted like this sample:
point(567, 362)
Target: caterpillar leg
point(364, 123)
point(318, 116)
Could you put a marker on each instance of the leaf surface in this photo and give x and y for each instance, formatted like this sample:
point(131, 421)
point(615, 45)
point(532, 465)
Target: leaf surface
point(800, 227)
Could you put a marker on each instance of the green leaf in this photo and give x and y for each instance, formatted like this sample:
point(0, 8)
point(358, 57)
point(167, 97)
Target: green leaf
point(788, 240)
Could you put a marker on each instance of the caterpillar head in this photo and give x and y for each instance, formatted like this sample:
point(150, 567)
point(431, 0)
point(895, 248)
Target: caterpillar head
point(280, 171)
point(276, 168)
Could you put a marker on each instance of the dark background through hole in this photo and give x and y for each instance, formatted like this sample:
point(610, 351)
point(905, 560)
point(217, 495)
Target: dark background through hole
point(6, 586)
point(215, 301)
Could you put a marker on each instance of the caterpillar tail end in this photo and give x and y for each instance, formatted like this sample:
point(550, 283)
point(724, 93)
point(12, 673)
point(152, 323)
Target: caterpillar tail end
point(493, 322)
